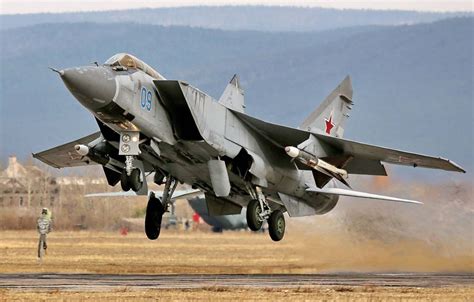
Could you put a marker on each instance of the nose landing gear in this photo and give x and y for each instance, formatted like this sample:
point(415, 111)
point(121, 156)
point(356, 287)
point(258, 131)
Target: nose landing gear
point(131, 177)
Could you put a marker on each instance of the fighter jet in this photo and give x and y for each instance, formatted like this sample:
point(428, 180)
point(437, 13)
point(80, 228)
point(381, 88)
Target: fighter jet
point(149, 124)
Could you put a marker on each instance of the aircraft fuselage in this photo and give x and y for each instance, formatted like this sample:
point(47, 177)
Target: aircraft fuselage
point(128, 100)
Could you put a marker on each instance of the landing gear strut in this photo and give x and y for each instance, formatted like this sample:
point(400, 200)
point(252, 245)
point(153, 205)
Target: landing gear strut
point(258, 211)
point(156, 207)
point(131, 177)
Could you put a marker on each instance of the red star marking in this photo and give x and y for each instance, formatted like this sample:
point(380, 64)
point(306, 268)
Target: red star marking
point(329, 125)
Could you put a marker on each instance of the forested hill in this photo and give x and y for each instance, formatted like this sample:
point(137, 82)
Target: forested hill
point(261, 18)
point(413, 84)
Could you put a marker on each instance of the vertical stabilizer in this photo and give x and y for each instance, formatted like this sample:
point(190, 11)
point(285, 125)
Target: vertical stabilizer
point(233, 95)
point(331, 115)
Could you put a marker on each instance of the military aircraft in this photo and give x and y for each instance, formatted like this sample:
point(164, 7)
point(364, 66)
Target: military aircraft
point(149, 124)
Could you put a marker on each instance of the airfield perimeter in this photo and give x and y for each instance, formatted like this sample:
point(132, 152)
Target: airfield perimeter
point(200, 265)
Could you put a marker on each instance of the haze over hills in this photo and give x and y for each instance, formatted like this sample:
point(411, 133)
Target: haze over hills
point(412, 84)
point(261, 18)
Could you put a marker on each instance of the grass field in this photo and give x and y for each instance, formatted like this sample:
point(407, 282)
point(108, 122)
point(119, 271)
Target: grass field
point(174, 252)
point(316, 293)
point(194, 253)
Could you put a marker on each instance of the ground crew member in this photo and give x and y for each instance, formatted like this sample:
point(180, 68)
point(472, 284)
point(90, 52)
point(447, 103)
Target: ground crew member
point(43, 225)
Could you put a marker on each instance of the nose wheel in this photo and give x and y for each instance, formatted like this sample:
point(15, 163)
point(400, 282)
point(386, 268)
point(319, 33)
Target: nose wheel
point(132, 181)
point(124, 182)
point(131, 177)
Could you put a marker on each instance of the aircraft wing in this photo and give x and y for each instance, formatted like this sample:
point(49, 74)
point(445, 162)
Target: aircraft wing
point(367, 156)
point(178, 194)
point(65, 155)
point(352, 193)
point(391, 156)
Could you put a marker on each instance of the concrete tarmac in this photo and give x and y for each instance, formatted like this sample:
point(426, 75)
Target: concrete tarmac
point(88, 282)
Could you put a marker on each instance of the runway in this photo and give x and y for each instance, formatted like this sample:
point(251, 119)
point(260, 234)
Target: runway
point(88, 282)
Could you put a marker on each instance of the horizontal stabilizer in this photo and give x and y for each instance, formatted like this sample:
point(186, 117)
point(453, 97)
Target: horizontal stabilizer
point(352, 193)
point(178, 194)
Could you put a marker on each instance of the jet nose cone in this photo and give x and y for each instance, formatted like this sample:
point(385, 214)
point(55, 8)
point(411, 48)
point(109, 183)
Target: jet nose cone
point(93, 86)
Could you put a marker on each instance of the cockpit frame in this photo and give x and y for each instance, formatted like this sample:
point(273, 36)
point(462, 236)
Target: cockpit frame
point(127, 61)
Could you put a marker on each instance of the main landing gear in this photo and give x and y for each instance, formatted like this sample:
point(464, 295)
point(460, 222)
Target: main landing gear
point(258, 211)
point(156, 207)
point(131, 177)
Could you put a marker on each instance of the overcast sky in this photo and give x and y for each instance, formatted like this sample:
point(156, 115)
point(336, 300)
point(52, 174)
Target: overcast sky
point(42, 6)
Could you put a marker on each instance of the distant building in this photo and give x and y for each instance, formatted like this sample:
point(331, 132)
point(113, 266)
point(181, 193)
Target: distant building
point(27, 186)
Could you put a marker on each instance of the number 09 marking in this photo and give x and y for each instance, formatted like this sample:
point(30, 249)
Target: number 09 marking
point(145, 99)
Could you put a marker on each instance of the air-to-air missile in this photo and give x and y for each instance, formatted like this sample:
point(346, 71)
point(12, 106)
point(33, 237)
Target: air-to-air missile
point(98, 154)
point(313, 162)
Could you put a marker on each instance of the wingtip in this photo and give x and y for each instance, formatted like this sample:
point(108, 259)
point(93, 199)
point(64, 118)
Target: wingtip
point(457, 168)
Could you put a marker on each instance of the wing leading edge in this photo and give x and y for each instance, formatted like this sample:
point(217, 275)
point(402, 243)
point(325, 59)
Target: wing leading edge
point(179, 194)
point(391, 156)
point(65, 155)
point(286, 136)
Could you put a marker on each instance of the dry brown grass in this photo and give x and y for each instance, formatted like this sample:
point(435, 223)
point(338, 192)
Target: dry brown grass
point(230, 252)
point(174, 252)
point(314, 293)
point(200, 253)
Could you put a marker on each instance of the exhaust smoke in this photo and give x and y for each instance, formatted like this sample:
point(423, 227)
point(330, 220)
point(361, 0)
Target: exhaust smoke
point(364, 235)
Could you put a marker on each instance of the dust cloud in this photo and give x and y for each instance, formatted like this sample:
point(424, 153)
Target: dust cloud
point(369, 235)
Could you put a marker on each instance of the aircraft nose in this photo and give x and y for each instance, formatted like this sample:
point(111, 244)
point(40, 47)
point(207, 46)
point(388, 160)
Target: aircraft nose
point(93, 86)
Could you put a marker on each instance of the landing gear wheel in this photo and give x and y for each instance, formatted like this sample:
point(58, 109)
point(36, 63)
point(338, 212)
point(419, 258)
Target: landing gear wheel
point(217, 229)
point(254, 221)
point(276, 225)
point(135, 181)
point(124, 181)
point(153, 217)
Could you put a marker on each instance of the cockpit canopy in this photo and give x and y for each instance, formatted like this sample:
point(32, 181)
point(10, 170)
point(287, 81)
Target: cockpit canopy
point(128, 61)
